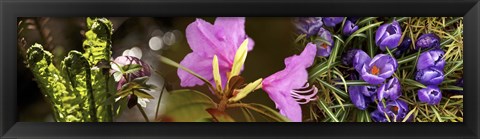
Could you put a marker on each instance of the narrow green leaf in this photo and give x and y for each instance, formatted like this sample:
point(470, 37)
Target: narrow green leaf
point(455, 67)
point(354, 34)
point(322, 105)
point(343, 94)
point(352, 83)
point(219, 116)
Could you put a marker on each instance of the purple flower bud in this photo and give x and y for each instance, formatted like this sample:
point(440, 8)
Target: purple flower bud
point(432, 58)
point(124, 61)
point(429, 76)
point(323, 48)
point(347, 57)
point(361, 95)
point(359, 59)
point(378, 116)
point(393, 108)
point(377, 70)
point(430, 95)
point(390, 90)
point(427, 41)
point(332, 21)
point(357, 97)
point(308, 25)
point(388, 35)
point(403, 47)
point(349, 28)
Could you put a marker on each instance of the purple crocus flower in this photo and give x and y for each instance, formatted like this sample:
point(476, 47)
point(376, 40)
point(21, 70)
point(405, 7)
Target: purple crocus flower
point(349, 28)
point(223, 38)
point(332, 21)
point(308, 25)
point(388, 36)
point(361, 95)
point(403, 47)
point(429, 40)
point(378, 116)
point(323, 48)
point(378, 69)
point(390, 90)
point(393, 108)
point(360, 57)
point(347, 57)
point(429, 76)
point(283, 87)
point(433, 58)
point(123, 61)
point(430, 95)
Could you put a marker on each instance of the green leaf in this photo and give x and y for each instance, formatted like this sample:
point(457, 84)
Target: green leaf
point(355, 34)
point(246, 90)
point(455, 67)
point(142, 94)
point(352, 83)
point(322, 105)
point(220, 116)
point(131, 68)
point(264, 110)
point(366, 20)
point(186, 106)
point(341, 93)
point(320, 69)
point(370, 41)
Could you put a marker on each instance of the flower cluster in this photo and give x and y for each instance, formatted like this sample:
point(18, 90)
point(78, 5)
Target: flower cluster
point(430, 72)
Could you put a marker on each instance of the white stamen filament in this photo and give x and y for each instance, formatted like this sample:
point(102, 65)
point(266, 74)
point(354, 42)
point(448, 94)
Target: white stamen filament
point(303, 96)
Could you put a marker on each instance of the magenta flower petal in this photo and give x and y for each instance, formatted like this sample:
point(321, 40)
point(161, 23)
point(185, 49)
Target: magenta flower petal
point(206, 40)
point(200, 64)
point(281, 85)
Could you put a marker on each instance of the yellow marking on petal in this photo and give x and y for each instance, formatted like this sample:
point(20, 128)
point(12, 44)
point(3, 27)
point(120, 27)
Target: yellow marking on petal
point(216, 74)
point(239, 60)
point(246, 90)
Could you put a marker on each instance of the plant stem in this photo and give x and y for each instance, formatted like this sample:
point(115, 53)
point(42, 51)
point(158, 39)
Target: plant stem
point(143, 113)
point(159, 99)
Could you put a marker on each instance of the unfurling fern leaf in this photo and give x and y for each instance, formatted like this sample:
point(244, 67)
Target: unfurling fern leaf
point(81, 91)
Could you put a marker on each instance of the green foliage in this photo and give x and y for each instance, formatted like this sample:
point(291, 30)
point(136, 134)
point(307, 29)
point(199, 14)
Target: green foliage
point(187, 106)
point(81, 89)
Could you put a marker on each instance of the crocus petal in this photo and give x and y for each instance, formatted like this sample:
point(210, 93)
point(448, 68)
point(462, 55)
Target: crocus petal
point(390, 42)
point(359, 59)
point(279, 86)
point(370, 78)
point(380, 33)
point(432, 58)
point(429, 76)
point(430, 95)
point(356, 96)
point(332, 21)
point(390, 90)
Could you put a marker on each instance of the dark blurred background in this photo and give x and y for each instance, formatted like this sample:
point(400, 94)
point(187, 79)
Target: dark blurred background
point(147, 37)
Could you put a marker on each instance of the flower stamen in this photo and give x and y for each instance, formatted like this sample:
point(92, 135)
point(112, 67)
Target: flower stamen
point(305, 94)
point(375, 70)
